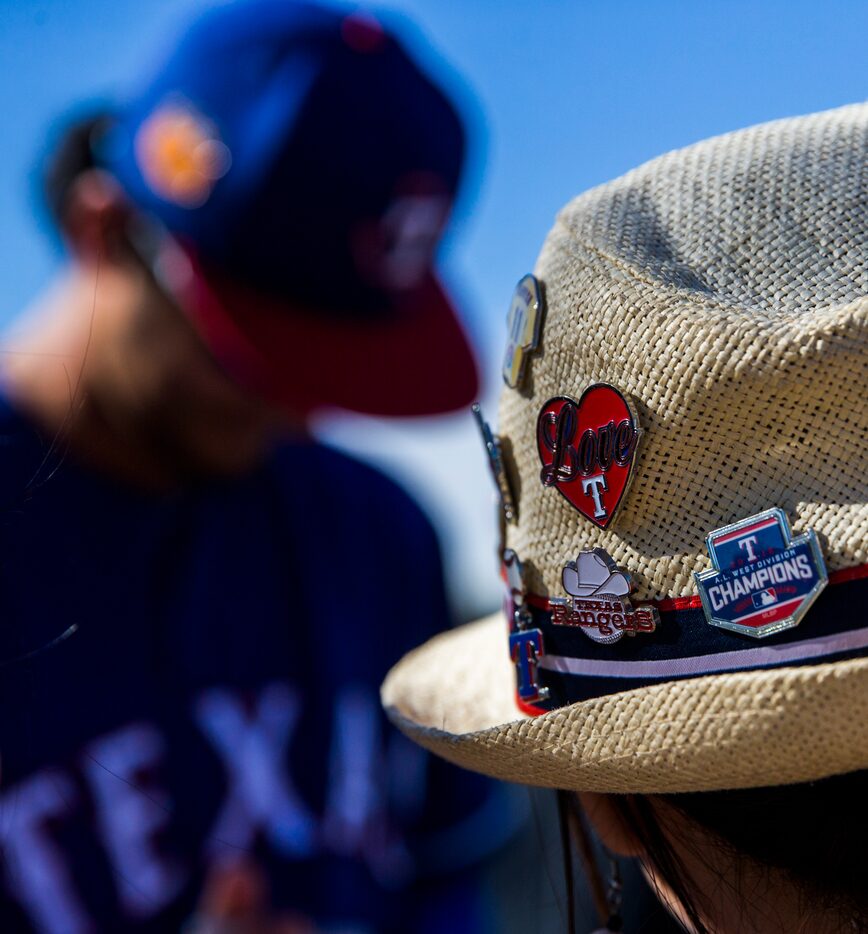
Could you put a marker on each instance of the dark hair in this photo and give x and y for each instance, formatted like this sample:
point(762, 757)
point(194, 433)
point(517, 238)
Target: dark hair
point(72, 154)
point(813, 833)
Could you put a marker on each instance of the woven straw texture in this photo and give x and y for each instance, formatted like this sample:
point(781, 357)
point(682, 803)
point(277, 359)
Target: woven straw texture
point(724, 287)
point(455, 696)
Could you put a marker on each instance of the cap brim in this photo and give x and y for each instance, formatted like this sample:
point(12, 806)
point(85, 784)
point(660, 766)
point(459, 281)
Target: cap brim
point(456, 696)
point(415, 361)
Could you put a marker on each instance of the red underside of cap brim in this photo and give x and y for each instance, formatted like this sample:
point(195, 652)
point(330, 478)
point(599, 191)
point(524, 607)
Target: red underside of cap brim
point(417, 361)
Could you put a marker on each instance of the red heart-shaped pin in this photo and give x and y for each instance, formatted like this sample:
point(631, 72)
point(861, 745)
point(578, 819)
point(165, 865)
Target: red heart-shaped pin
point(588, 448)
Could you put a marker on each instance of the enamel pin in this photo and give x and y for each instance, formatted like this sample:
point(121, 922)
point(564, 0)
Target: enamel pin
point(764, 580)
point(524, 326)
point(600, 600)
point(495, 463)
point(515, 590)
point(525, 650)
point(588, 449)
point(525, 642)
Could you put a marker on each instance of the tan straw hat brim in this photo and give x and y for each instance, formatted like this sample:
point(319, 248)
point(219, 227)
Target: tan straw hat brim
point(455, 695)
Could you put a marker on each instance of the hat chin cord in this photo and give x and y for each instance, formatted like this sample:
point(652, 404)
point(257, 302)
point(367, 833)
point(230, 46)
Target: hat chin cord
point(607, 894)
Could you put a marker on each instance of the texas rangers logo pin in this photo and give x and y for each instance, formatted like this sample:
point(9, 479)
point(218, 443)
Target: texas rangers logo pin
point(600, 600)
point(526, 646)
point(524, 325)
point(525, 650)
point(588, 449)
point(764, 580)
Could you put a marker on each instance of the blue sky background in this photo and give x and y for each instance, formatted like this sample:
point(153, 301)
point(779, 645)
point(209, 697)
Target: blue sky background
point(562, 95)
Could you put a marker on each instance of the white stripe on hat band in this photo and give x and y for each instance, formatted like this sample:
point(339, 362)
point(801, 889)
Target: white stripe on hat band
point(706, 664)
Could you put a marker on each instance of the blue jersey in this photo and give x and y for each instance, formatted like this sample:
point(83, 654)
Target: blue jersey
point(189, 677)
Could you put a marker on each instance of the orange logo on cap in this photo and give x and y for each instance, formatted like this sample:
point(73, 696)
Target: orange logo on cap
point(181, 155)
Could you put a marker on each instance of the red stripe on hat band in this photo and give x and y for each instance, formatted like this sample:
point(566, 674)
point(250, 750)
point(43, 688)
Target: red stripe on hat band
point(842, 576)
point(678, 603)
point(849, 574)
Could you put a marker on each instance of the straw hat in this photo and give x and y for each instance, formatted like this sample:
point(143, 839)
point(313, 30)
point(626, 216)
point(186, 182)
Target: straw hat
point(706, 317)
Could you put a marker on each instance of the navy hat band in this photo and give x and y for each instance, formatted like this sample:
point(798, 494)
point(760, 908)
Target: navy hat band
point(574, 668)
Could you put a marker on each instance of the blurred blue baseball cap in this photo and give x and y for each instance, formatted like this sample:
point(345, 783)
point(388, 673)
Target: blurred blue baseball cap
point(293, 169)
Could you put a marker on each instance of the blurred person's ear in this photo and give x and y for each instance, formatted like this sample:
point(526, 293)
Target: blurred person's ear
point(607, 819)
point(95, 218)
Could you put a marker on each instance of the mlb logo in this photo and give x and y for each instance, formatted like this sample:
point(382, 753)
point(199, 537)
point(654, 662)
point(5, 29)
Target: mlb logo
point(764, 580)
point(765, 598)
